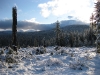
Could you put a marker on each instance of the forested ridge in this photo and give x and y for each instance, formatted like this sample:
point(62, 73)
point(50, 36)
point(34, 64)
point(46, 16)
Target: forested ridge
point(73, 35)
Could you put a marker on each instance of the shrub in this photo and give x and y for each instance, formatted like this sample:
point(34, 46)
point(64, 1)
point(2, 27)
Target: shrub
point(51, 53)
point(37, 51)
point(10, 59)
point(52, 62)
point(57, 48)
point(77, 64)
point(10, 51)
point(41, 50)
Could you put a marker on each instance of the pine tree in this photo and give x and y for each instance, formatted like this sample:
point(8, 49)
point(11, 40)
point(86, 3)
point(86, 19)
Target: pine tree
point(44, 42)
point(92, 21)
point(62, 39)
point(35, 42)
point(97, 22)
point(14, 29)
point(71, 39)
point(58, 32)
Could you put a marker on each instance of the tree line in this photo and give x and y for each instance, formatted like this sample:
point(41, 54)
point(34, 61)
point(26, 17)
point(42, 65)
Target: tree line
point(56, 37)
point(45, 38)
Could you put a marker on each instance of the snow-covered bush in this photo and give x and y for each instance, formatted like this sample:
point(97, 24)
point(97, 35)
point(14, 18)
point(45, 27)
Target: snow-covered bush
point(52, 62)
point(41, 50)
point(57, 48)
point(51, 53)
point(10, 51)
point(61, 52)
point(71, 54)
point(58, 51)
point(7, 55)
point(89, 56)
point(64, 52)
point(2, 56)
point(78, 64)
point(10, 58)
point(37, 51)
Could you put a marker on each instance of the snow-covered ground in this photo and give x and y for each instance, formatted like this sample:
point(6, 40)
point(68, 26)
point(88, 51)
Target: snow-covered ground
point(65, 61)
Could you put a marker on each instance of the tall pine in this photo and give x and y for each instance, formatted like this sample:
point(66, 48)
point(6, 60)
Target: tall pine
point(97, 6)
point(58, 32)
point(96, 23)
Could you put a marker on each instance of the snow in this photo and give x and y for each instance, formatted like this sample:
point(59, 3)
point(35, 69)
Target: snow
point(65, 61)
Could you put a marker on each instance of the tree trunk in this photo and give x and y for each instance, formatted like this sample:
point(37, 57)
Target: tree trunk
point(14, 29)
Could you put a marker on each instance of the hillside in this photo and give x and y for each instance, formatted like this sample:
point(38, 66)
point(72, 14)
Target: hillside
point(29, 38)
point(69, 28)
point(65, 61)
point(22, 26)
point(76, 28)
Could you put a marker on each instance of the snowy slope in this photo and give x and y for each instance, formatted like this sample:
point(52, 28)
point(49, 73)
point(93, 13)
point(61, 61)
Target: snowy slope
point(65, 61)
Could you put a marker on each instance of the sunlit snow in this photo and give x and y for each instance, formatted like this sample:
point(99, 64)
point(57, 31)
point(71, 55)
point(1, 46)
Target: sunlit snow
point(65, 61)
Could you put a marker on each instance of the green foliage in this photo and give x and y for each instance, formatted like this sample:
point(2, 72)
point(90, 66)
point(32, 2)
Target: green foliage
point(58, 33)
point(10, 51)
point(10, 59)
point(95, 22)
point(69, 38)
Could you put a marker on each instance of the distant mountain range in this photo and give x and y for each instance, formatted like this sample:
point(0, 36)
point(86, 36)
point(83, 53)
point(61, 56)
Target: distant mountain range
point(69, 28)
point(75, 28)
point(63, 23)
point(31, 27)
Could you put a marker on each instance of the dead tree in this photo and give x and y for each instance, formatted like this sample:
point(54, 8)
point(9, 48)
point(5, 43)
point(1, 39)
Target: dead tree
point(14, 29)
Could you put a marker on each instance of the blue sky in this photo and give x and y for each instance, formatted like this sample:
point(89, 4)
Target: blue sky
point(47, 11)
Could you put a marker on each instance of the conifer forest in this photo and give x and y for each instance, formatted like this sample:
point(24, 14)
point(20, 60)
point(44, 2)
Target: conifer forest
point(67, 46)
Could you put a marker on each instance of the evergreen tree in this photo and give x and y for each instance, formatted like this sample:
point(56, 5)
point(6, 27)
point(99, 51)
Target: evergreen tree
point(92, 21)
point(35, 42)
point(58, 32)
point(62, 39)
point(97, 21)
point(71, 39)
point(44, 42)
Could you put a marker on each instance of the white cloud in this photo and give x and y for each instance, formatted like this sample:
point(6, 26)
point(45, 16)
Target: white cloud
point(6, 18)
point(5, 30)
point(32, 20)
point(27, 30)
point(44, 10)
point(45, 13)
point(81, 9)
point(1, 29)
